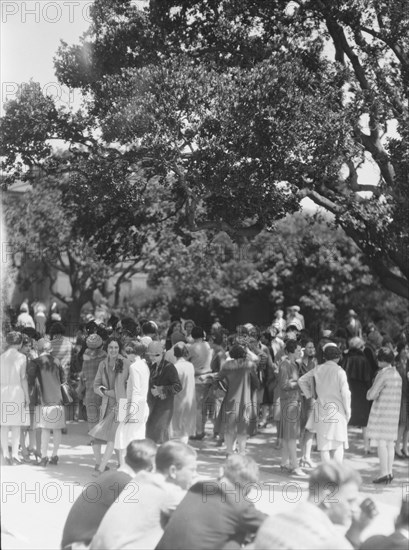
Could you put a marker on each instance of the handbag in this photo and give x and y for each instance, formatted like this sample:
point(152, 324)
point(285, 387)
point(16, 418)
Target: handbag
point(66, 394)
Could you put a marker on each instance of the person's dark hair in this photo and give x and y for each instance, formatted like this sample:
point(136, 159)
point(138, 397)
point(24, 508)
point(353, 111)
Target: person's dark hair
point(113, 321)
point(386, 355)
point(14, 338)
point(57, 329)
point(31, 333)
point(331, 474)
point(140, 454)
point(241, 469)
point(403, 518)
point(173, 453)
point(291, 346)
point(237, 352)
point(103, 332)
point(197, 332)
point(148, 328)
point(91, 327)
point(180, 350)
point(130, 326)
point(331, 352)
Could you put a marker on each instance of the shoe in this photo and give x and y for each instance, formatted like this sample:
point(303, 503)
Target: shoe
point(399, 455)
point(96, 468)
point(54, 460)
point(26, 457)
point(297, 472)
point(304, 463)
point(405, 454)
point(383, 479)
point(97, 472)
point(16, 461)
point(44, 461)
point(390, 478)
point(37, 456)
point(284, 469)
point(368, 452)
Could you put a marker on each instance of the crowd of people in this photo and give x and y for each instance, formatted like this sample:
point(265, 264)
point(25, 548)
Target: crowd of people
point(139, 388)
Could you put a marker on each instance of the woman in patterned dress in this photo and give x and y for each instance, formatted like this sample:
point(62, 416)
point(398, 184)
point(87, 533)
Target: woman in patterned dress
point(383, 420)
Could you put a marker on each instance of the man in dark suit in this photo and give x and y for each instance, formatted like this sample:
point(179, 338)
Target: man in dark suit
point(399, 540)
point(216, 514)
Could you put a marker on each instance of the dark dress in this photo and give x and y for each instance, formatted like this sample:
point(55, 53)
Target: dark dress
point(238, 412)
point(160, 410)
point(269, 378)
point(404, 408)
point(360, 375)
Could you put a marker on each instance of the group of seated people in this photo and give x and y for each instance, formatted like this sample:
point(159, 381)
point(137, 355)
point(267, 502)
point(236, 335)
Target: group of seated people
point(155, 501)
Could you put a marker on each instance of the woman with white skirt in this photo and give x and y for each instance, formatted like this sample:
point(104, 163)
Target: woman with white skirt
point(332, 409)
point(134, 409)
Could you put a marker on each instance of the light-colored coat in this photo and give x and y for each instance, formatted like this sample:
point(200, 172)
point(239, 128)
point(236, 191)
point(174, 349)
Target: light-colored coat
point(332, 409)
point(386, 396)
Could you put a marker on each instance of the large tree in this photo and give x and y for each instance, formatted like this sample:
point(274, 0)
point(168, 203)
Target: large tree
point(311, 263)
point(232, 112)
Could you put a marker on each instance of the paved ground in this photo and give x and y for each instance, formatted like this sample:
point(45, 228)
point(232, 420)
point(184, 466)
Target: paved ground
point(36, 501)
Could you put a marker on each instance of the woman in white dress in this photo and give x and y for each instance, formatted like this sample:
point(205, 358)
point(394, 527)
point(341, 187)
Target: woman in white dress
point(332, 409)
point(183, 423)
point(14, 396)
point(135, 408)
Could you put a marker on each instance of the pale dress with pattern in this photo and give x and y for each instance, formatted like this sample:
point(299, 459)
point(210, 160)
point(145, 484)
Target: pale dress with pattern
point(384, 416)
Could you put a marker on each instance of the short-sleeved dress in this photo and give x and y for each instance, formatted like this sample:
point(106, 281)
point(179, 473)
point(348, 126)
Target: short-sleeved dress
point(12, 382)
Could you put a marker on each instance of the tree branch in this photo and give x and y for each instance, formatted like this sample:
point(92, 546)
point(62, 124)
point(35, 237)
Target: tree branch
point(391, 281)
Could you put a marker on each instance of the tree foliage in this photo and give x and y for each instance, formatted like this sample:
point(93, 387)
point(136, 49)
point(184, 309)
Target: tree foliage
point(225, 114)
